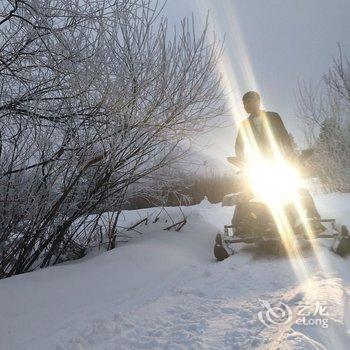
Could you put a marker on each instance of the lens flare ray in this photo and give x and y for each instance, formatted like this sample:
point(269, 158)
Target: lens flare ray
point(282, 177)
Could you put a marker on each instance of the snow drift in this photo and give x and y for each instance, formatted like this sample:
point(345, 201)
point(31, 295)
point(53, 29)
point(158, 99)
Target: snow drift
point(163, 290)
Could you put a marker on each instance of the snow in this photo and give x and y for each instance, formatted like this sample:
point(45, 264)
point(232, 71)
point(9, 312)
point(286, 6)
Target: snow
point(163, 290)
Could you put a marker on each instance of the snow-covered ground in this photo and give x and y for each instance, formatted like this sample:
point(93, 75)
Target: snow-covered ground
point(163, 290)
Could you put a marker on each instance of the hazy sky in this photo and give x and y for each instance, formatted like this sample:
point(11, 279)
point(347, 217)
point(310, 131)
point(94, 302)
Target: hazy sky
point(269, 45)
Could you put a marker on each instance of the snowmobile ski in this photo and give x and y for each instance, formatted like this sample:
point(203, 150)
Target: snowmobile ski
point(221, 249)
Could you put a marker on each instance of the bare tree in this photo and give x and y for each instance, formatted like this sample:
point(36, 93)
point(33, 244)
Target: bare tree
point(95, 97)
point(325, 111)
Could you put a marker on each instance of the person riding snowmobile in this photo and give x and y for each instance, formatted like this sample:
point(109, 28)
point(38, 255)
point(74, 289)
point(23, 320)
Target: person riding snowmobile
point(268, 133)
point(272, 205)
point(263, 136)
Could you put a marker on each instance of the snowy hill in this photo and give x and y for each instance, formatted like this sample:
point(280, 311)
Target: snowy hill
point(163, 290)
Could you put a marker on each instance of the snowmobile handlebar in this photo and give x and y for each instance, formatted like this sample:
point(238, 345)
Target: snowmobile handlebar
point(240, 162)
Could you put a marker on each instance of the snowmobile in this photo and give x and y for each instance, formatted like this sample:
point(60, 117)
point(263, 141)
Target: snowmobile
point(275, 188)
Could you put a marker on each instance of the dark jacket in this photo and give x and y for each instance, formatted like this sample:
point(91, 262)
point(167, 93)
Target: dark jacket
point(271, 121)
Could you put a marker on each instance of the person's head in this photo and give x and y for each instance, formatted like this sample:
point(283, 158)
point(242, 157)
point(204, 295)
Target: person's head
point(251, 102)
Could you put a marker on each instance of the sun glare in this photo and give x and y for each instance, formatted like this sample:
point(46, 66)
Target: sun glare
point(273, 182)
point(276, 183)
